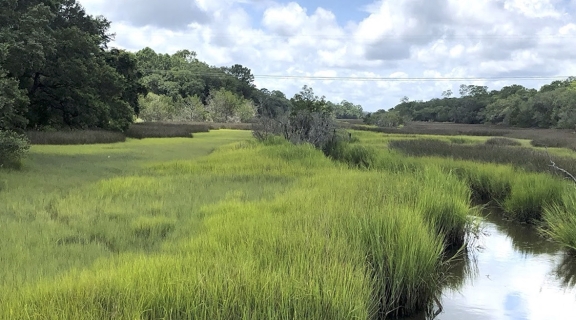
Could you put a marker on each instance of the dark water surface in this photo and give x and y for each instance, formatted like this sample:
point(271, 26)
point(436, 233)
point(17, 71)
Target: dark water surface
point(511, 273)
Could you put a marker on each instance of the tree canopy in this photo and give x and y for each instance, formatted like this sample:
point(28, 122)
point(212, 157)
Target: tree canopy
point(552, 106)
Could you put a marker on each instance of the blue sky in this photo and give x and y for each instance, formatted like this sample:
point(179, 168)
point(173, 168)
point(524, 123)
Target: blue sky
point(413, 48)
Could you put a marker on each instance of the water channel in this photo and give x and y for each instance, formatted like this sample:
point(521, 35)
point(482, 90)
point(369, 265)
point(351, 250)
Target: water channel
point(510, 273)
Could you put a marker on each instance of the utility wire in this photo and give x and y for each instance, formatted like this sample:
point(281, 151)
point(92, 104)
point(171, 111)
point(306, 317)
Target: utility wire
point(354, 37)
point(374, 79)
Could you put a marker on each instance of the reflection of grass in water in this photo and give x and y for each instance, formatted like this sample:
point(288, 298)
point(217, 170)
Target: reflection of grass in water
point(525, 238)
point(565, 271)
point(463, 264)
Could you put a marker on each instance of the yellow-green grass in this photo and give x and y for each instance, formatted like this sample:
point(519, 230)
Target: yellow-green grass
point(560, 220)
point(256, 231)
point(523, 196)
point(221, 227)
point(33, 200)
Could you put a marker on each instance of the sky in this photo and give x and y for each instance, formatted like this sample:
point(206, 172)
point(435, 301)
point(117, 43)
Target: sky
point(371, 53)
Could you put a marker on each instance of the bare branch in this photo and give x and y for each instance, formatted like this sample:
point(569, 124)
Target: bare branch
point(553, 165)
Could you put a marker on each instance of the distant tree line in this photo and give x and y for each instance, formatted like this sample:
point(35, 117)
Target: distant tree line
point(552, 106)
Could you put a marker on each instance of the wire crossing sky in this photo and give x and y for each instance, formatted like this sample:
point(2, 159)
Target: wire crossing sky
point(372, 53)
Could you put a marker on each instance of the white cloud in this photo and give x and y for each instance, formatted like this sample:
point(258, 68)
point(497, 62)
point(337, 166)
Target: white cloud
point(419, 38)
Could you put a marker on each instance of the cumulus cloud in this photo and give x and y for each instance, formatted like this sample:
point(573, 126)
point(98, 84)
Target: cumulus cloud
point(418, 38)
point(168, 14)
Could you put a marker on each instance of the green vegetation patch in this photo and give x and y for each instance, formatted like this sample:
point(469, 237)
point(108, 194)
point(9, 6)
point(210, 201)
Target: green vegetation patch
point(251, 230)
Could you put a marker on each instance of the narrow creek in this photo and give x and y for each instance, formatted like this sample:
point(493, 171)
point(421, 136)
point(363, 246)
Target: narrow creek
point(510, 272)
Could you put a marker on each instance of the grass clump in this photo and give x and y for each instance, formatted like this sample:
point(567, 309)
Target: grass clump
point(530, 195)
point(560, 221)
point(75, 137)
point(164, 130)
point(500, 141)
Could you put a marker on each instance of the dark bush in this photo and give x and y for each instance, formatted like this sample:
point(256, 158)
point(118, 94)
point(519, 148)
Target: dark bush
point(13, 147)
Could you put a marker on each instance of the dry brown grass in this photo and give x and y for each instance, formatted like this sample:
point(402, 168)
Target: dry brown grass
point(72, 137)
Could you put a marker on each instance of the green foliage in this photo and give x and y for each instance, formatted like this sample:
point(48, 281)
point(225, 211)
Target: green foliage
point(347, 110)
point(13, 147)
point(13, 102)
point(309, 119)
point(164, 108)
point(126, 64)
point(182, 75)
point(271, 104)
point(550, 107)
point(225, 106)
point(57, 54)
point(386, 119)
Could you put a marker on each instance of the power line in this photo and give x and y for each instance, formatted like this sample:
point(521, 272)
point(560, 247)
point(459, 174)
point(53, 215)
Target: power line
point(399, 79)
point(373, 79)
point(210, 34)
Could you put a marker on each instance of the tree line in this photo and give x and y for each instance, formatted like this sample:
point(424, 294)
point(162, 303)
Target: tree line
point(552, 106)
point(57, 71)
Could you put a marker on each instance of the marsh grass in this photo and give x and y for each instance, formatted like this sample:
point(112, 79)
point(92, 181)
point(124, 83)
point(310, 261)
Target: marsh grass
point(164, 130)
point(560, 221)
point(72, 137)
point(445, 129)
point(500, 141)
point(527, 158)
point(246, 230)
point(252, 230)
point(559, 137)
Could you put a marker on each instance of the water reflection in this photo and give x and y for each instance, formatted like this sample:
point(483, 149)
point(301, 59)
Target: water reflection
point(510, 272)
point(565, 271)
point(525, 238)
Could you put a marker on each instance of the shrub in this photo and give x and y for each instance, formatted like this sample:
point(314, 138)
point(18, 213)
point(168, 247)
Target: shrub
point(13, 146)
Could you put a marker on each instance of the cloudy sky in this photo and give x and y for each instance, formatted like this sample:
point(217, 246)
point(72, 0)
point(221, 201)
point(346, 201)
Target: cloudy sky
point(395, 47)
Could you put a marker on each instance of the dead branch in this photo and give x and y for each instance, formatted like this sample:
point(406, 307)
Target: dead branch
point(553, 165)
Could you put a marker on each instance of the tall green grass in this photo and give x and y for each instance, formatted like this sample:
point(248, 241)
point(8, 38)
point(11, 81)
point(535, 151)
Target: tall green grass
point(305, 238)
point(521, 195)
point(248, 230)
point(560, 221)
